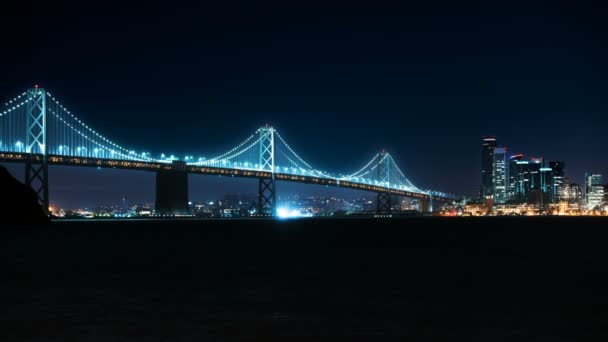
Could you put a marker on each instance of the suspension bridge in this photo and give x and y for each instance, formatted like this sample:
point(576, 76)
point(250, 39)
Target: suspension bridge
point(38, 130)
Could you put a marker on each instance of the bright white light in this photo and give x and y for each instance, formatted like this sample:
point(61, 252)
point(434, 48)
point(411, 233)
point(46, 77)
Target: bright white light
point(285, 213)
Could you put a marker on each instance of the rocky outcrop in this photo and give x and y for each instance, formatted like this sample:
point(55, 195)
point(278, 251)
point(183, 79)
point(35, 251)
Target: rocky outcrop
point(18, 203)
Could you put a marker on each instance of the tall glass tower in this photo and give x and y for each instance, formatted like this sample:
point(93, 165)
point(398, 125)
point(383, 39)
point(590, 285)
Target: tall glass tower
point(559, 177)
point(499, 174)
point(594, 190)
point(516, 166)
point(487, 165)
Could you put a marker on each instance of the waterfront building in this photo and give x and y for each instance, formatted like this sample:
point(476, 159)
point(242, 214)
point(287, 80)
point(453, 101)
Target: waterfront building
point(572, 192)
point(500, 175)
point(593, 190)
point(520, 179)
point(487, 164)
point(512, 181)
point(546, 185)
point(559, 177)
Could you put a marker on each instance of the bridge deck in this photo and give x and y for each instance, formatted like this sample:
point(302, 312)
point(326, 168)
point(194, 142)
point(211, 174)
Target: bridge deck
point(208, 170)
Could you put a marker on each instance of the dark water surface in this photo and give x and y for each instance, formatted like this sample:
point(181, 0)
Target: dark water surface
point(418, 279)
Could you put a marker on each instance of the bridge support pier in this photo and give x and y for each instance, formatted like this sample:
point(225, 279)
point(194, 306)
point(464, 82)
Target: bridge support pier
point(172, 191)
point(267, 197)
point(426, 205)
point(37, 179)
point(383, 204)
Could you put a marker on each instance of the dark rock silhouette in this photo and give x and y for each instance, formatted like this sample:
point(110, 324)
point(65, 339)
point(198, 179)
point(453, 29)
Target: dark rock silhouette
point(18, 203)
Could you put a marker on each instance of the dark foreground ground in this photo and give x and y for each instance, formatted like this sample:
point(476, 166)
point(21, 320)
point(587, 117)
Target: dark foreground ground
point(429, 279)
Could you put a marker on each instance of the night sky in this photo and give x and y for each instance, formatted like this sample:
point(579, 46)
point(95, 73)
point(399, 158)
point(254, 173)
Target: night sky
point(339, 82)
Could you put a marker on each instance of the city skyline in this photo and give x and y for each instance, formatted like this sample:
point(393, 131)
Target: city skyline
point(343, 83)
point(514, 179)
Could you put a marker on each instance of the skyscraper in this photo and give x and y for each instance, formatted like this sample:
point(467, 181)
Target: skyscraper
point(520, 170)
point(546, 185)
point(514, 168)
point(534, 167)
point(499, 175)
point(534, 191)
point(572, 192)
point(559, 174)
point(593, 190)
point(487, 162)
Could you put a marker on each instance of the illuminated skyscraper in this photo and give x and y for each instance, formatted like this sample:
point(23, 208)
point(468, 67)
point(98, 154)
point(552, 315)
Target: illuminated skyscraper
point(559, 174)
point(534, 167)
point(487, 164)
point(572, 192)
point(546, 185)
point(521, 180)
point(576, 193)
point(593, 190)
point(534, 189)
point(513, 183)
point(499, 175)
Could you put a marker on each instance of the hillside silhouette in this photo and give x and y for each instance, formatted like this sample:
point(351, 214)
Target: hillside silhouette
point(18, 203)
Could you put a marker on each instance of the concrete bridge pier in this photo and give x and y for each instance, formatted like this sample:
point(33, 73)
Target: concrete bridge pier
point(172, 190)
point(426, 204)
point(383, 204)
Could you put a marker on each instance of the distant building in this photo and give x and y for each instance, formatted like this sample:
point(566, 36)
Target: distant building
point(514, 184)
point(534, 167)
point(559, 177)
point(593, 190)
point(522, 179)
point(529, 181)
point(572, 192)
point(500, 175)
point(546, 185)
point(487, 164)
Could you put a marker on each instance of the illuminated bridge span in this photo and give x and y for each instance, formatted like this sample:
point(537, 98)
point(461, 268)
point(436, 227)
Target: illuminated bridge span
point(38, 130)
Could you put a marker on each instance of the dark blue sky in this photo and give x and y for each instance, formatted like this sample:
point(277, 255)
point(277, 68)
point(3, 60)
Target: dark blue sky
point(339, 82)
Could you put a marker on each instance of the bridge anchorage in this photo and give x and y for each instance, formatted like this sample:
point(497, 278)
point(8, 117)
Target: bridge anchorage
point(39, 131)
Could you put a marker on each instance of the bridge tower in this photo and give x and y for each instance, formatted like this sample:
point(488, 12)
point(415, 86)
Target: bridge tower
point(266, 189)
point(383, 204)
point(36, 165)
